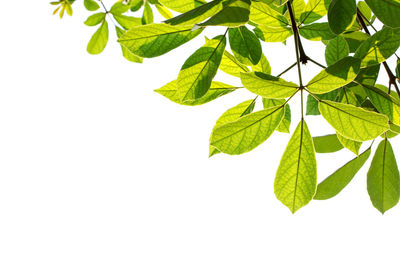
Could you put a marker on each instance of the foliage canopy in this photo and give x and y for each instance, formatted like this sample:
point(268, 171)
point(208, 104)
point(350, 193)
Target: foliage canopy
point(345, 92)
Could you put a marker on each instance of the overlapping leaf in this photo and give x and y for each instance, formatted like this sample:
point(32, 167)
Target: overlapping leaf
point(387, 11)
point(199, 69)
point(337, 75)
point(231, 115)
point(247, 132)
point(353, 122)
point(267, 85)
point(153, 40)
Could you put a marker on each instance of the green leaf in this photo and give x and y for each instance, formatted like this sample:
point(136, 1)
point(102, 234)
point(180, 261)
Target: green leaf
point(353, 122)
point(234, 13)
point(383, 180)
point(230, 65)
point(327, 143)
point(91, 5)
point(336, 49)
point(164, 11)
point(317, 32)
point(198, 14)
point(381, 100)
point(216, 90)
point(263, 14)
point(273, 34)
point(338, 180)
point(99, 39)
point(231, 115)
point(299, 7)
point(378, 47)
point(147, 17)
point(315, 9)
point(125, 52)
point(262, 66)
point(355, 39)
point(368, 75)
point(398, 69)
point(95, 19)
point(182, 6)
point(337, 75)
point(199, 69)
point(127, 22)
point(135, 5)
point(247, 132)
point(119, 8)
point(267, 85)
point(353, 146)
point(365, 10)
point(296, 177)
point(284, 126)
point(387, 11)
point(312, 103)
point(245, 45)
point(153, 40)
point(341, 15)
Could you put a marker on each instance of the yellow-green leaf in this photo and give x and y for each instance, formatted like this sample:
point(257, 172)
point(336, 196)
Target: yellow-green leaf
point(216, 90)
point(337, 75)
point(247, 132)
point(99, 39)
point(231, 115)
point(338, 180)
point(296, 177)
point(267, 85)
point(353, 122)
point(383, 180)
point(153, 40)
point(199, 69)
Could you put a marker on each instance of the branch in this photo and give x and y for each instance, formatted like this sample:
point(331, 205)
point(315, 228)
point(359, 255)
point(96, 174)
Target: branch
point(392, 77)
point(296, 41)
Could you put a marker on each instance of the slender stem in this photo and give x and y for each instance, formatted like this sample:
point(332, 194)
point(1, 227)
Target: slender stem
point(108, 13)
point(286, 70)
point(296, 40)
point(392, 77)
point(316, 63)
point(302, 104)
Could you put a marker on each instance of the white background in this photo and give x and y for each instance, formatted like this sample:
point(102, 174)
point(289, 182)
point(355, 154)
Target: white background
point(98, 170)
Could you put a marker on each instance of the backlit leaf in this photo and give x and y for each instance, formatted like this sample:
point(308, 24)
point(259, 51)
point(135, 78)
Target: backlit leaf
point(383, 180)
point(216, 90)
point(199, 69)
point(378, 47)
point(234, 13)
point(353, 122)
point(327, 143)
point(247, 132)
point(336, 49)
point(387, 11)
point(245, 45)
point(338, 180)
point(337, 75)
point(231, 115)
point(230, 65)
point(341, 15)
point(99, 39)
point(296, 177)
point(267, 85)
point(315, 9)
point(153, 40)
point(284, 126)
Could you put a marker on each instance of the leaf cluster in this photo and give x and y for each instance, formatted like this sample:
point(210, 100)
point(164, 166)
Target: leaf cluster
point(345, 92)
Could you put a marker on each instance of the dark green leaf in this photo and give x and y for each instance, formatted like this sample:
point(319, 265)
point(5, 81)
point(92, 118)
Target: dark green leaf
point(327, 143)
point(245, 45)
